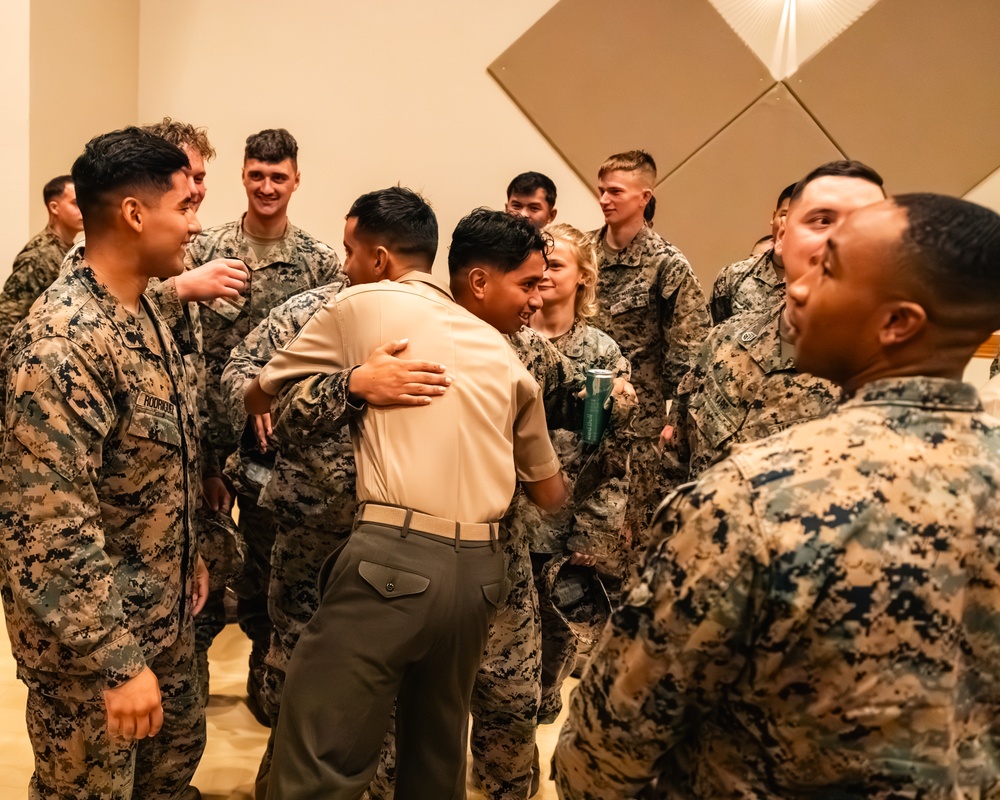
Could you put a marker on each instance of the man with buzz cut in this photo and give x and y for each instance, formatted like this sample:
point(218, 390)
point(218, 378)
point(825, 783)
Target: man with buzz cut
point(282, 260)
point(98, 488)
point(818, 617)
point(37, 265)
point(532, 195)
point(650, 302)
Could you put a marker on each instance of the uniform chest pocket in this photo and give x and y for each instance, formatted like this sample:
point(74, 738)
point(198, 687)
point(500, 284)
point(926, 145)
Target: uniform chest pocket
point(229, 308)
point(716, 421)
point(156, 419)
point(631, 298)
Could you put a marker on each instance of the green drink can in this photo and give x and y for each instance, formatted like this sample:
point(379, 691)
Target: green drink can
point(597, 404)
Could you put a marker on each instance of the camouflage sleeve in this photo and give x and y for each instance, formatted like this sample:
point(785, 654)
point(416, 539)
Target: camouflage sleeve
point(684, 327)
point(60, 412)
point(21, 289)
point(248, 357)
point(721, 304)
point(315, 406)
point(671, 649)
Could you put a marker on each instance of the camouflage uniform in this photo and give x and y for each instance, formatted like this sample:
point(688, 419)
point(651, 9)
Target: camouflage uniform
point(296, 263)
point(818, 620)
point(651, 304)
point(35, 267)
point(750, 285)
point(592, 521)
point(743, 387)
point(99, 485)
point(310, 492)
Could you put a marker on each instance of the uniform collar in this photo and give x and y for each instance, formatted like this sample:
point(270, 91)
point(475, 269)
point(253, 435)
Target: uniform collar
point(127, 324)
point(416, 276)
point(573, 343)
point(941, 394)
point(284, 251)
point(763, 270)
point(631, 254)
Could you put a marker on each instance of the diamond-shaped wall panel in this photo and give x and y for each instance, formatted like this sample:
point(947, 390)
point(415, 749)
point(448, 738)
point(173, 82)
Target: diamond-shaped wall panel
point(598, 78)
point(912, 89)
point(719, 202)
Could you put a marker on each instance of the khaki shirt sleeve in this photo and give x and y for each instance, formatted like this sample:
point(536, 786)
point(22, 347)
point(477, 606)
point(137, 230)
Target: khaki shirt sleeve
point(59, 413)
point(534, 457)
point(318, 349)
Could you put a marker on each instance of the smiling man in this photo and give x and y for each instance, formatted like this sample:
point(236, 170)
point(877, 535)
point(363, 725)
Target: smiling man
point(819, 618)
point(282, 261)
point(745, 385)
point(532, 195)
point(101, 575)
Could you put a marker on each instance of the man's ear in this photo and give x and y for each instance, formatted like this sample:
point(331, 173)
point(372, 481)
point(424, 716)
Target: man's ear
point(478, 281)
point(904, 320)
point(779, 237)
point(132, 213)
point(381, 265)
point(552, 216)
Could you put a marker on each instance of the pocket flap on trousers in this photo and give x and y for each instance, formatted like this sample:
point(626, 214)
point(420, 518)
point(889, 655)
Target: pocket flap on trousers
point(390, 581)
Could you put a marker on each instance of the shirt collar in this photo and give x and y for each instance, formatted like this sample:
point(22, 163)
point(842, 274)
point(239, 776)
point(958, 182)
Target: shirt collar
point(942, 394)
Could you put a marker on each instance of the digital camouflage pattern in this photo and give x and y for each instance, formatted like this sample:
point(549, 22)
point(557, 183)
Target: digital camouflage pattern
point(310, 492)
point(35, 267)
point(741, 388)
point(75, 757)
point(98, 488)
point(297, 263)
point(651, 304)
point(817, 619)
point(592, 521)
point(747, 286)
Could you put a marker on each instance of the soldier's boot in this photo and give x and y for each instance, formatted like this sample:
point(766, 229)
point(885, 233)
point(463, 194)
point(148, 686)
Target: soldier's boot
point(255, 685)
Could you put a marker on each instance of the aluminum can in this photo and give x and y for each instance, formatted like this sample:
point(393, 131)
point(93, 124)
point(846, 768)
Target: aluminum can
point(597, 404)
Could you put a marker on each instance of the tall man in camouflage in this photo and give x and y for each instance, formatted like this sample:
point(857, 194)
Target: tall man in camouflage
point(819, 617)
point(756, 283)
point(282, 261)
point(745, 385)
point(650, 302)
point(101, 574)
point(37, 265)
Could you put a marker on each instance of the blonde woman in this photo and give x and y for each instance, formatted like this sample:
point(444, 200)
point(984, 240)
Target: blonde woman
point(588, 529)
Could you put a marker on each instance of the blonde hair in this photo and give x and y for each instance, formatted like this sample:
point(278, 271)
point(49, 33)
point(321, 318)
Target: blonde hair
point(583, 251)
point(630, 161)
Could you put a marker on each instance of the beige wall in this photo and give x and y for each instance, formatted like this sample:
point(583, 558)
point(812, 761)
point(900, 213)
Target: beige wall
point(78, 90)
point(376, 93)
point(14, 27)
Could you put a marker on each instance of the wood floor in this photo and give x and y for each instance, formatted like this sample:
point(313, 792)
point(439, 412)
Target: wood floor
point(235, 739)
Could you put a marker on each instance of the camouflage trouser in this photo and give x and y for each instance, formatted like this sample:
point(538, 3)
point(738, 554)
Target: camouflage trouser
point(75, 757)
point(505, 697)
point(559, 647)
point(256, 524)
point(292, 599)
point(646, 492)
point(507, 692)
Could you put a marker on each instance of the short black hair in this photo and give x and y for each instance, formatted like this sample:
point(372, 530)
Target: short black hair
point(531, 182)
point(54, 188)
point(952, 246)
point(503, 241)
point(271, 146)
point(838, 169)
point(126, 161)
point(399, 218)
point(786, 194)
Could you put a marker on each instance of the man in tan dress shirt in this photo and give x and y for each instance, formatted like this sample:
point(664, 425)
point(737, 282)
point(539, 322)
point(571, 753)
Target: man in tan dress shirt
point(409, 598)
